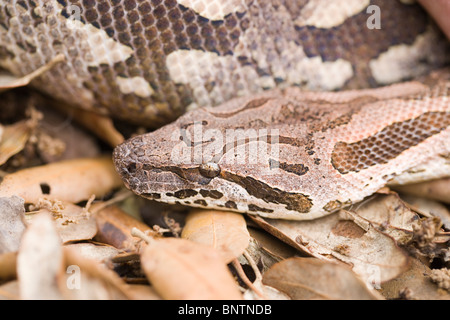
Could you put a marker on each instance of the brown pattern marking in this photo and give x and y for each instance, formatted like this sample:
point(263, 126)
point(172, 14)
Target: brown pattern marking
point(258, 189)
point(295, 168)
point(388, 143)
point(153, 29)
point(256, 103)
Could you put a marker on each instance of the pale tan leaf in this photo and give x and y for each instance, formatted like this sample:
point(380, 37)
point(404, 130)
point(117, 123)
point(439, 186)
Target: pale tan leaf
point(389, 214)
point(430, 208)
point(8, 265)
point(339, 237)
point(436, 189)
point(71, 180)
point(12, 223)
point(73, 223)
point(225, 231)
point(311, 279)
point(415, 284)
point(10, 290)
point(9, 81)
point(93, 251)
point(14, 138)
point(89, 279)
point(40, 261)
point(180, 269)
point(142, 292)
point(102, 126)
point(114, 227)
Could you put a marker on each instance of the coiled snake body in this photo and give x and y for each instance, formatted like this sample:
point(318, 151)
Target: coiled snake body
point(148, 61)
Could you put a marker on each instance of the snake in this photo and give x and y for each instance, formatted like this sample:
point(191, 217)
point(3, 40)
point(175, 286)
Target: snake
point(281, 108)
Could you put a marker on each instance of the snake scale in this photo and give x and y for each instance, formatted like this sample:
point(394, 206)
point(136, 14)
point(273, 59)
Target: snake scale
point(288, 109)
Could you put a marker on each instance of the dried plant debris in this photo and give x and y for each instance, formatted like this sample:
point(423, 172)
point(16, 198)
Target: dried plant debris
point(12, 223)
point(312, 279)
point(225, 231)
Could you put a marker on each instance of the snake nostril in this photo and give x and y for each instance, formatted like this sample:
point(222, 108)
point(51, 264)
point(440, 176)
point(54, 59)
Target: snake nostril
point(131, 168)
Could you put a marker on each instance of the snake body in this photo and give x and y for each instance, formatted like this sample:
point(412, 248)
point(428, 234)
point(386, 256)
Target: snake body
point(150, 61)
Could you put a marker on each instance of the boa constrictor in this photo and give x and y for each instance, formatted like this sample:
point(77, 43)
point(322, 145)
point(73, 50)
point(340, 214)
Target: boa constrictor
point(281, 144)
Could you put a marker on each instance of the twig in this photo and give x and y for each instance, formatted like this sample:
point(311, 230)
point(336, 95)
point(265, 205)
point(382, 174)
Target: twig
point(237, 266)
point(135, 232)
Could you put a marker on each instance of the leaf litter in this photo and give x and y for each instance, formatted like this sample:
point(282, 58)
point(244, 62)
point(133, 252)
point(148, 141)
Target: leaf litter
point(69, 215)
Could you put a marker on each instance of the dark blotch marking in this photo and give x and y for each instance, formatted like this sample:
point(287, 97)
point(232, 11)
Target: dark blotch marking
point(388, 143)
point(214, 194)
point(45, 188)
point(201, 202)
point(230, 204)
point(298, 169)
point(255, 208)
point(183, 194)
point(293, 201)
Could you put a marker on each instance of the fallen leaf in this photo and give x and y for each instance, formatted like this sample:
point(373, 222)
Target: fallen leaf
point(430, 207)
point(8, 265)
point(14, 138)
point(12, 223)
point(179, 269)
point(225, 231)
point(94, 251)
point(40, 261)
point(311, 279)
point(415, 284)
point(89, 279)
point(9, 81)
point(389, 214)
point(338, 237)
point(114, 227)
point(70, 181)
point(72, 222)
point(436, 189)
point(102, 126)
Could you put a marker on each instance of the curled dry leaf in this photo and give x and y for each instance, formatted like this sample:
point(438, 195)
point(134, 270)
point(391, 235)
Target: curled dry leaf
point(12, 223)
point(88, 279)
point(339, 237)
point(9, 81)
point(40, 261)
point(415, 284)
point(72, 222)
point(436, 189)
point(71, 180)
point(180, 269)
point(114, 228)
point(225, 231)
point(8, 265)
point(389, 214)
point(430, 208)
point(14, 138)
point(311, 279)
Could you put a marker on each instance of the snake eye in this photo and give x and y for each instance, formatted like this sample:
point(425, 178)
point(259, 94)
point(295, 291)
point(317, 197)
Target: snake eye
point(209, 170)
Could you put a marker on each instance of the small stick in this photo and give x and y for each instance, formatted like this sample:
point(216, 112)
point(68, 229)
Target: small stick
point(237, 266)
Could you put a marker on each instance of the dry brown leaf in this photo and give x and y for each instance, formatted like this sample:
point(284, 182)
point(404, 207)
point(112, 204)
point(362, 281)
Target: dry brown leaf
point(102, 126)
point(373, 255)
point(12, 223)
point(430, 208)
point(309, 278)
point(71, 180)
point(436, 189)
point(225, 231)
point(88, 279)
point(72, 222)
point(180, 269)
point(389, 214)
point(40, 261)
point(14, 138)
point(9, 81)
point(10, 291)
point(414, 284)
point(8, 265)
point(114, 227)
point(142, 292)
point(94, 251)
